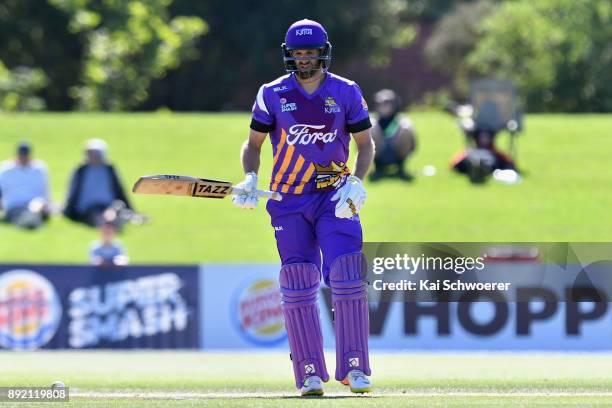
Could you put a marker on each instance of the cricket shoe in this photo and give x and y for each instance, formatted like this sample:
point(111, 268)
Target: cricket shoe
point(358, 382)
point(313, 386)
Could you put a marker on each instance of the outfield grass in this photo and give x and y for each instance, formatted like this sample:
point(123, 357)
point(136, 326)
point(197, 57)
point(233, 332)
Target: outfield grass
point(265, 379)
point(565, 195)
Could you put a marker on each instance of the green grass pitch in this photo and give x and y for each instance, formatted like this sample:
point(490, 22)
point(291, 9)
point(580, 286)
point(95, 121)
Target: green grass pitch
point(185, 379)
point(565, 195)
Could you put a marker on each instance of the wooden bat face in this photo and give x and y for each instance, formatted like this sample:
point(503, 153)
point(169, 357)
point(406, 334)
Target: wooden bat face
point(168, 184)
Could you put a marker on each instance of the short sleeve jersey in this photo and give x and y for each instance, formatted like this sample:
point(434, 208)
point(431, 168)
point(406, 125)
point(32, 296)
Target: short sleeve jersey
point(310, 133)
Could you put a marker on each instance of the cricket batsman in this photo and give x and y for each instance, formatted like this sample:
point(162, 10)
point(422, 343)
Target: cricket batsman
point(310, 114)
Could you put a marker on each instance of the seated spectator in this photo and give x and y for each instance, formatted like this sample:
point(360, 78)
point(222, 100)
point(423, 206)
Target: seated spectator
point(107, 252)
point(94, 187)
point(24, 190)
point(481, 158)
point(393, 137)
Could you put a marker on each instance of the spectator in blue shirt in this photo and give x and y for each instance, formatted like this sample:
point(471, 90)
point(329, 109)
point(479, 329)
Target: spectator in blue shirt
point(24, 189)
point(107, 251)
point(94, 187)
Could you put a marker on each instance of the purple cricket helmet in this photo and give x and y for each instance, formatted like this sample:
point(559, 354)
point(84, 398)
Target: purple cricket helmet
point(306, 35)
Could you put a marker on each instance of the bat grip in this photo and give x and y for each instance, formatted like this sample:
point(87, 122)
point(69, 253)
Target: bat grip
point(271, 195)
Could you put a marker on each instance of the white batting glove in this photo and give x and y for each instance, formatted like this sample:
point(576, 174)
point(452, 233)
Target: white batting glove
point(351, 197)
point(248, 199)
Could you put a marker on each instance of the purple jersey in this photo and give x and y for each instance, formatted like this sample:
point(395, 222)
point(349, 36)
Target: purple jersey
point(310, 133)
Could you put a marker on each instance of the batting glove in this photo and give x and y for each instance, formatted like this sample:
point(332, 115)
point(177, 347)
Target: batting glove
point(248, 198)
point(351, 197)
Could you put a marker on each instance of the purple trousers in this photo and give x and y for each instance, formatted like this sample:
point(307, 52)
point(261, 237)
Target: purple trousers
point(305, 226)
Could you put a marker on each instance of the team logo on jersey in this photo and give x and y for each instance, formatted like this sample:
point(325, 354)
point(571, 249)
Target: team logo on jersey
point(329, 101)
point(288, 107)
point(302, 134)
point(283, 100)
point(279, 88)
point(364, 103)
point(331, 175)
point(331, 106)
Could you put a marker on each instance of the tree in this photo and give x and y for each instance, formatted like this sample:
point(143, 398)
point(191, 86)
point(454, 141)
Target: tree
point(144, 54)
point(454, 37)
point(559, 52)
point(242, 48)
point(127, 45)
point(18, 88)
point(42, 55)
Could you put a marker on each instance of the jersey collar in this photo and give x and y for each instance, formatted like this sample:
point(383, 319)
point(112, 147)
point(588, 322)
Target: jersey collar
point(299, 87)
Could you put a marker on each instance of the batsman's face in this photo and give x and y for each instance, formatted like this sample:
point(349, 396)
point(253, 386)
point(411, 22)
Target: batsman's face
point(307, 59)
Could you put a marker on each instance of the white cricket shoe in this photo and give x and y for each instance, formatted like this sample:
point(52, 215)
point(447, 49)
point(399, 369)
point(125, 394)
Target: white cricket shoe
point(358, 382)
point(312, 386)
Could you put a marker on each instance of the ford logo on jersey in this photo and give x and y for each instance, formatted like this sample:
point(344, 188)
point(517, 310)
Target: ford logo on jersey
point(303, 134)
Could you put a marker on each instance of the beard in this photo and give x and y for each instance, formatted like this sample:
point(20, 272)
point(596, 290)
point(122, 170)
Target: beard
point(307, 74)
point(309, 71)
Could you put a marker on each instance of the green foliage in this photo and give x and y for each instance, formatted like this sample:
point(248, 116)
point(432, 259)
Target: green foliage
point(149, 54)
point(389, 28)
point(434, 10)
point(242, 48)
point(18, 88)
point(454, 37)
point(127, 44)
point(34, 34)
point(559, 52)
point(141, 54)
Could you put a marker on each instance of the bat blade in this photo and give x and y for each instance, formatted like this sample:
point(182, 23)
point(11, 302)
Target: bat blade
point(169, 184)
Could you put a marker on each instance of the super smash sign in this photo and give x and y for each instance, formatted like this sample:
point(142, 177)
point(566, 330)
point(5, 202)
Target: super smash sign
point(129, 308)
point(85, 307)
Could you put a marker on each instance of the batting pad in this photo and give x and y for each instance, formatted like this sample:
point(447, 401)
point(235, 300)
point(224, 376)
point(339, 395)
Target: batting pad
point(351, 314)
point(299, 284)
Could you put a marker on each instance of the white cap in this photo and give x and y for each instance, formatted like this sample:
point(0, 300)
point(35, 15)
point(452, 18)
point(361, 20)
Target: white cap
point(96, 144)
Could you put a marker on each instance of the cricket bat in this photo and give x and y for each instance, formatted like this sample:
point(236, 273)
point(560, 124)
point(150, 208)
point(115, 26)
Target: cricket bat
point(170, 184)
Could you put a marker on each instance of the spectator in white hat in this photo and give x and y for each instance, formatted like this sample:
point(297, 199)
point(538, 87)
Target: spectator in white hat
point(94, 187)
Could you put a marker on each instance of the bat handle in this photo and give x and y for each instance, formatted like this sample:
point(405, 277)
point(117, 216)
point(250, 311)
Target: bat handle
point(271, 195)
